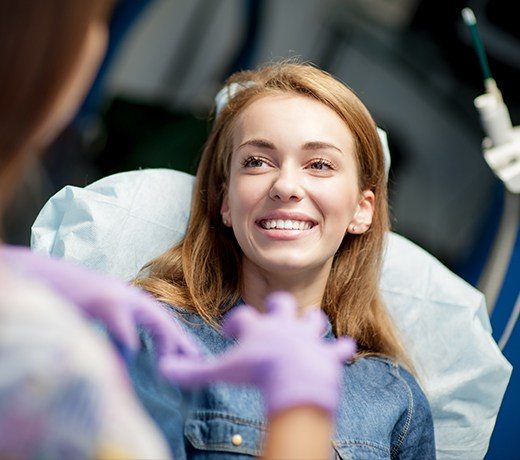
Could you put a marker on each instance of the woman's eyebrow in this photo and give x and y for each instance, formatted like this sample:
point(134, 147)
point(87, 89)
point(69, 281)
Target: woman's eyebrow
point(312, 145)
point(260, 143)
point(318, 145)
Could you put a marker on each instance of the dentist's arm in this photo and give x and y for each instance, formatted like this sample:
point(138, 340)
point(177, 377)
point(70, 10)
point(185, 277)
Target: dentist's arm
point(121, 307)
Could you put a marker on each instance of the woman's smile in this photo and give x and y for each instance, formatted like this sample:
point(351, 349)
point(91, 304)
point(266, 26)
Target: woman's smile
point(281, 225)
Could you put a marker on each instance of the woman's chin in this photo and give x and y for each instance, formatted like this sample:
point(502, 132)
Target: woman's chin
point(295, 265)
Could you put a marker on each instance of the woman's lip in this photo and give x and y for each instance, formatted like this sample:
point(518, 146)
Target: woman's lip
point(284, 234)
point(287, 215)
point(279, 224)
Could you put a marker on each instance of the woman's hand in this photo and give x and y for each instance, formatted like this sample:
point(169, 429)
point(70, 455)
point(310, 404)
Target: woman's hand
point(282, 354)
point(120, 306)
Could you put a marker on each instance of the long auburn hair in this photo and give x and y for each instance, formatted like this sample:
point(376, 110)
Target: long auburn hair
point(39, 46)
point(202, 273)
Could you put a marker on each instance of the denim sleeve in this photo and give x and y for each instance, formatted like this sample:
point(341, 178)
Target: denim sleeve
point(413, 437)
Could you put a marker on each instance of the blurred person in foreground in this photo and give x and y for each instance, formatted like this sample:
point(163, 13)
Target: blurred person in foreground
point(64, 391)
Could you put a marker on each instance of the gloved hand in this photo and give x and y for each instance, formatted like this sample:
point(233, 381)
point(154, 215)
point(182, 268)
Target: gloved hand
point(120, 306)
point(278, 352)
point(504, 160)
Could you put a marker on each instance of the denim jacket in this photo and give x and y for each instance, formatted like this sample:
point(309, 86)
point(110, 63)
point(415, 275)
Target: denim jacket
point(383, 414)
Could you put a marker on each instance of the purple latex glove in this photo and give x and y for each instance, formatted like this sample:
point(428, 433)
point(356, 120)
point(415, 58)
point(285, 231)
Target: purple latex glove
point(278, 352)
point(120, 306)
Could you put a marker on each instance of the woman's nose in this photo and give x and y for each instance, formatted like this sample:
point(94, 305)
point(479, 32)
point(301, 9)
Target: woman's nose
point(286, 187)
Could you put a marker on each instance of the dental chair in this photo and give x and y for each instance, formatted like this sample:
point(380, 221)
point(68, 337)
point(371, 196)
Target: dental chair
point(120, 222)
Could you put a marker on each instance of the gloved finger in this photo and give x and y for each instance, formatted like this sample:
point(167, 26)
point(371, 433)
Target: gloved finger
point(168, 336)
point(176, 343)
point(236, 321)
point(282, 304)
point(504, 151)
point(315, 321)
point(344, 348)
point(121, 326)
point(187, 374)
point(230, 368)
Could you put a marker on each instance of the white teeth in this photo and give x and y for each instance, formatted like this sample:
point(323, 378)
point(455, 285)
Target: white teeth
point(286, 224)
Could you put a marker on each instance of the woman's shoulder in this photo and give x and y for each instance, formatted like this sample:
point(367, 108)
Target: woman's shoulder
point(389, 409)
point(382, 371)
point(386, 367)
point(387, 388)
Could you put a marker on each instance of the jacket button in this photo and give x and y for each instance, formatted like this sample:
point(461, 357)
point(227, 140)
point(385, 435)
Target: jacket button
point(236, 440)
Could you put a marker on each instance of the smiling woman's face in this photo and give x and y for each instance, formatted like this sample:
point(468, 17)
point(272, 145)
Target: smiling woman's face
point(293, 190)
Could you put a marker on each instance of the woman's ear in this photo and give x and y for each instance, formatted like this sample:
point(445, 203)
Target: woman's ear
point(362, 219)
point(225, 212)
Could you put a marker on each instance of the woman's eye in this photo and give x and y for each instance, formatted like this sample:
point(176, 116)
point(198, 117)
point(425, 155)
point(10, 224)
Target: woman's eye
point(253, 162)
point(321, 165)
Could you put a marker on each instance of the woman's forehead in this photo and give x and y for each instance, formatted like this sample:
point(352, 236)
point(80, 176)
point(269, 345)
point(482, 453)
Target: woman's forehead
point(299, 117)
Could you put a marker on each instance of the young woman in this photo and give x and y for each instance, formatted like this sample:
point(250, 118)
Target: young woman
point(63, 392)
point(290, 195)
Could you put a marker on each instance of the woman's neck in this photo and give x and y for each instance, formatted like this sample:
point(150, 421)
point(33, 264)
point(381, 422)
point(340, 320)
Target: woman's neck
point(307, 286)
